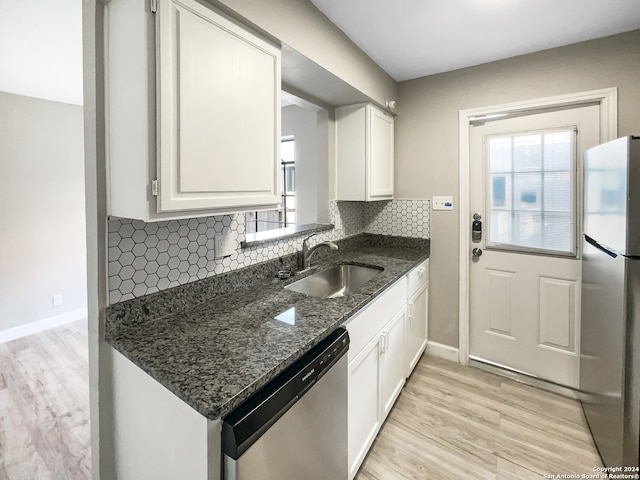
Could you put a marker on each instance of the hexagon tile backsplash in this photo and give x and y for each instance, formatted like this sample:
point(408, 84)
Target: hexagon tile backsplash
point(148, 257)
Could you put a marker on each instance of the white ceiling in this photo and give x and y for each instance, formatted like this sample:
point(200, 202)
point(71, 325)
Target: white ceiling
point(415, 38)
point(41, 49)
point(41, 40)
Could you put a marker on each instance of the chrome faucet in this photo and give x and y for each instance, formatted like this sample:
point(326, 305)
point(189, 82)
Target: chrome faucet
point(307, 252)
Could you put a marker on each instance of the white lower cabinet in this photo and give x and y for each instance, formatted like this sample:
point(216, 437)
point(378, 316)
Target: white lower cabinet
point(155, 434)
point(388, 337)
point(392, 362)
point(376, 368)
point(364, 403)
point(417, 315)
point(417, 308)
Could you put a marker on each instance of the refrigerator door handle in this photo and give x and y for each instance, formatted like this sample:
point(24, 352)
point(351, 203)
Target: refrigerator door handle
point(600, 247)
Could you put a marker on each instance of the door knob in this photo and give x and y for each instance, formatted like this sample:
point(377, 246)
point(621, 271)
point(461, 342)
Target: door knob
point(477, 252)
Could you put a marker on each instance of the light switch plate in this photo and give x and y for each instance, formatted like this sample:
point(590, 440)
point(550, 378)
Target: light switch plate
point(442, 202)
point(222, 245)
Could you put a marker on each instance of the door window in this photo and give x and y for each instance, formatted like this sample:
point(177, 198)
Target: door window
point(532, 192)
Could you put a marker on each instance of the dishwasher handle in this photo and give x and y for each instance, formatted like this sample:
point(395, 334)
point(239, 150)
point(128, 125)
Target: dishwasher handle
point(247, 423)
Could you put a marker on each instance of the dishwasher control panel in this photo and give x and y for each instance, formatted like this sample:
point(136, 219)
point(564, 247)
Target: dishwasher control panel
point(252, 418)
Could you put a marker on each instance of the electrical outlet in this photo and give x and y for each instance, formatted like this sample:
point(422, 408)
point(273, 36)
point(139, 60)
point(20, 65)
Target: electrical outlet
point(57, 300)
point(442, 202)
point(222, 245)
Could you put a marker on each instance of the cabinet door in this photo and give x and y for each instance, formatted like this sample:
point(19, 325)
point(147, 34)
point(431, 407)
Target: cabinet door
point(364, 403)
point(393, 360)
point(417, 322)
point(380, 158)
point(218, 111)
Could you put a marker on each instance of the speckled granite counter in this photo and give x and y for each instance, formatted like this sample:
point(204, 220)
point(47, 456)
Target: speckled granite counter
point(214, 342)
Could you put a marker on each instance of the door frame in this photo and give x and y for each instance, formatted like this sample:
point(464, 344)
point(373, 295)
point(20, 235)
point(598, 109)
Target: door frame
point(606, 98)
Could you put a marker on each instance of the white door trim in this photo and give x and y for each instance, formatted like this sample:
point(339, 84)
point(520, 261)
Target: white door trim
point(607, 98)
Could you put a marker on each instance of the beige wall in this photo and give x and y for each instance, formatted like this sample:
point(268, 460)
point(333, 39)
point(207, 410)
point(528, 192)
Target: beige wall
point(427, 134)
point(42, 216)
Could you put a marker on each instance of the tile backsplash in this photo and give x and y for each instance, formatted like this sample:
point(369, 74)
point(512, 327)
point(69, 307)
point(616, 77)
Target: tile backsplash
point(403, 218)
point(148, 257)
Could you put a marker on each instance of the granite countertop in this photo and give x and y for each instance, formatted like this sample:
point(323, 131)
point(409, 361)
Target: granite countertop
point(216, 342)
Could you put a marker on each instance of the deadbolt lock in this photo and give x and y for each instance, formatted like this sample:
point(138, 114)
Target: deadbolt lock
point(476, 228)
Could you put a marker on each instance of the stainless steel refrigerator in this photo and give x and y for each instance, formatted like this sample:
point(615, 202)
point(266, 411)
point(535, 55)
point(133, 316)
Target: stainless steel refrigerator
point(610, 329)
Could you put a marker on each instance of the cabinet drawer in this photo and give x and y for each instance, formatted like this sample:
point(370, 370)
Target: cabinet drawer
point(367, 323)
point(417, 278)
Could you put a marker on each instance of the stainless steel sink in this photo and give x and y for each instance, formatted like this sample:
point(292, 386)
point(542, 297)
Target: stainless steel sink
point(335, 281)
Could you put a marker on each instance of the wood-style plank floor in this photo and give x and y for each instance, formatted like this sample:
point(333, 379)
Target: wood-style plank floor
point(456, 422)
point(44, 406)
point(450, 422)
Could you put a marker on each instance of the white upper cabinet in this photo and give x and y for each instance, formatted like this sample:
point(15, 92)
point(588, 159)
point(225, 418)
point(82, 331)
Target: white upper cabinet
point(364, 138)
point(193, 112)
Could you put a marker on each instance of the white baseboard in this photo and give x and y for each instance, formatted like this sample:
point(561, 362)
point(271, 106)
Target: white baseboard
point(441, 350)
point(41, 325)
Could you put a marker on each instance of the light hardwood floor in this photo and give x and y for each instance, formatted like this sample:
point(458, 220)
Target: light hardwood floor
point(450, 422)
point(44, 406)
point(456, 422)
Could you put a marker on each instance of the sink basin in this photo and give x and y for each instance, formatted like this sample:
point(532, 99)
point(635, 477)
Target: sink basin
point(335, 281)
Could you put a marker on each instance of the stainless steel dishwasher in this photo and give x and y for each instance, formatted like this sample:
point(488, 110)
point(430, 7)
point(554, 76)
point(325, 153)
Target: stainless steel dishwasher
point(296, 426)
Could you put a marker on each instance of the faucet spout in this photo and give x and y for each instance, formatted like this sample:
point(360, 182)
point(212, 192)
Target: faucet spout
point(307, 252)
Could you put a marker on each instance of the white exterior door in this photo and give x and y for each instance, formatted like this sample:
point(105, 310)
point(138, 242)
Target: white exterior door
point(525, 271)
